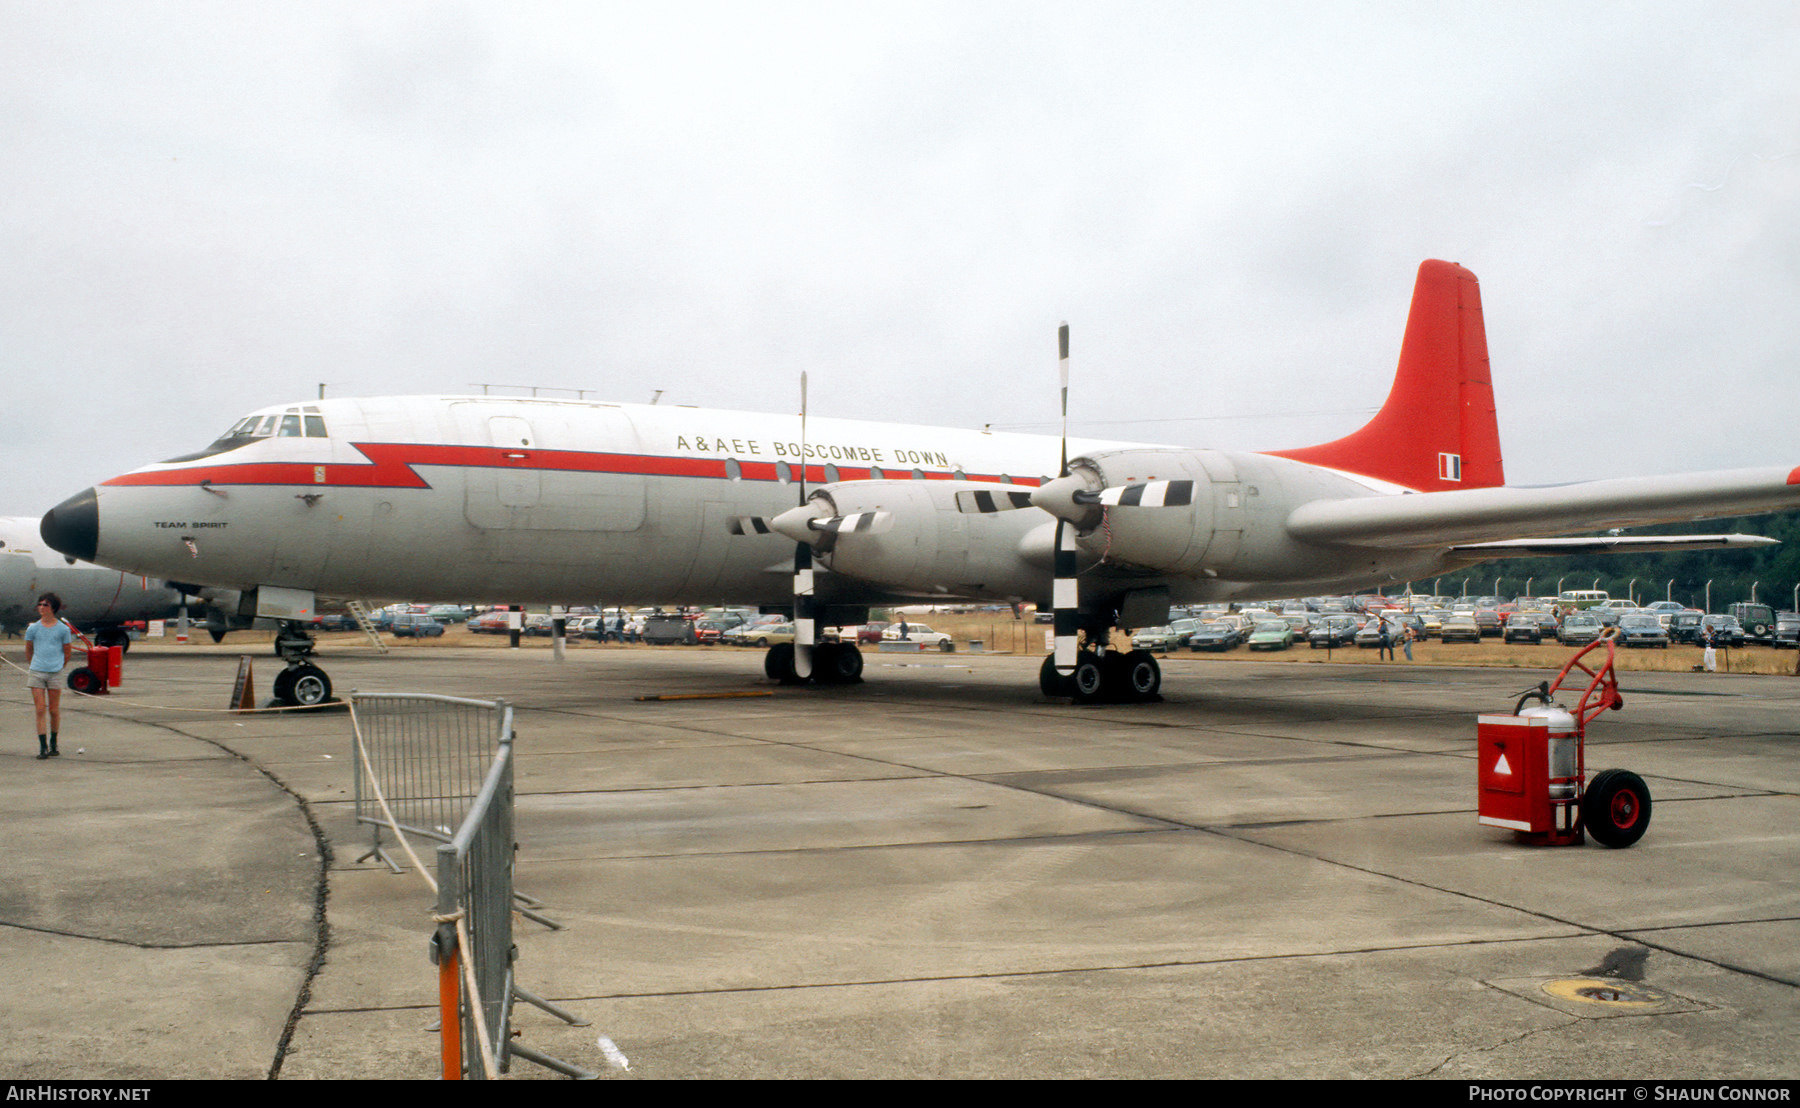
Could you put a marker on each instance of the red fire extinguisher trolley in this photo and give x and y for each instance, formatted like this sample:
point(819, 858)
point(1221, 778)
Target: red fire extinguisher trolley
point(105, 667)
point(1533, 765)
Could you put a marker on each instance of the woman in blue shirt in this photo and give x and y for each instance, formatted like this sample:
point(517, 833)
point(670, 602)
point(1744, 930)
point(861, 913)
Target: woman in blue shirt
point(48, 645)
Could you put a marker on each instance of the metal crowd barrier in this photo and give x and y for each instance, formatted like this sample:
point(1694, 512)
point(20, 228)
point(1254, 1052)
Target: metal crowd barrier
point(430, 754)
point(443, 767)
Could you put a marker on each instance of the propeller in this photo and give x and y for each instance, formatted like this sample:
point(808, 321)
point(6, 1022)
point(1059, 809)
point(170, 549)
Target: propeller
point(803, 569)
point(1064, 593)
point(1073, 501)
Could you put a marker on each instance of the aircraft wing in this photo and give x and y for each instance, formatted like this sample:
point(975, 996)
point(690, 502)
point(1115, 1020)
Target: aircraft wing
point(1492, 515)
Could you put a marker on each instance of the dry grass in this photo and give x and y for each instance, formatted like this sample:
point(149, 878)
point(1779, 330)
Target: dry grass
point(1004, 635)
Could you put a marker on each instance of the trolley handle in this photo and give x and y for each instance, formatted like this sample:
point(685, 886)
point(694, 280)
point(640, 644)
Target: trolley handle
point(1602, 691)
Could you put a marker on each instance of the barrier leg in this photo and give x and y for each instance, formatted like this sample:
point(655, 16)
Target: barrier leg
point(450, 1013)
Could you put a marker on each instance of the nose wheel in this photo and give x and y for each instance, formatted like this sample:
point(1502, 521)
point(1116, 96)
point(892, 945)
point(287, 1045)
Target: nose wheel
point(302, 684)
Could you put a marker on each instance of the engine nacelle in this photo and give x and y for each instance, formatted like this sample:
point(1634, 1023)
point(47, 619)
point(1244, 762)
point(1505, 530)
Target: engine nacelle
point(1173, 539)
point(927, 547)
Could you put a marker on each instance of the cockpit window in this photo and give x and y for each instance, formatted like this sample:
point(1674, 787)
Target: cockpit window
point(291, 424)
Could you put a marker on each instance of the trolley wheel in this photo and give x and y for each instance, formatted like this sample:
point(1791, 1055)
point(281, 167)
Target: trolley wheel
point(1615, 808)
point(85, 680)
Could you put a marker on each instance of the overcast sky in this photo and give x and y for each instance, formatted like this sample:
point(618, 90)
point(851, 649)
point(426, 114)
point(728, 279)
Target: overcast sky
point(211, 207)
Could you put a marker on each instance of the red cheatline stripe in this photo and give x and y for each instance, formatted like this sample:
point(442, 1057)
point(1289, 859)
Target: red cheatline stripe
point(392, 468)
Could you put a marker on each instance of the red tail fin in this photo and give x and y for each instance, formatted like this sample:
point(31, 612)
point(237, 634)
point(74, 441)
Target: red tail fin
point(1437, 429)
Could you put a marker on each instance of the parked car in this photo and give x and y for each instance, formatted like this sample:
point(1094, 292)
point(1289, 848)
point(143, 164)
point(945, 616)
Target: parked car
point(1684, 626)
point(1460, 627)
point(1369, 637)
point(1272, 634)
point(1334, 631)
point(1579, 629)
point(1787, 629)
point(1532, 627)
point(1724, 630)
point(764, 634)
point(416, 625)
point(1757, 620)
point(1215, 635)
point(334, 621)
point(916, 632)
point(1642, 629)
point(665, 629)
point(490, 623)
point(1164, 639)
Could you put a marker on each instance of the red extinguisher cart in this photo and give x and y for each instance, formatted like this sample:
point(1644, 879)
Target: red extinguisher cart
point(105, 667)
point(1533, 765)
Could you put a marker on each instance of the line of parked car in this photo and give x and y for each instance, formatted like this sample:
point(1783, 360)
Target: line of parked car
point(1528, 620)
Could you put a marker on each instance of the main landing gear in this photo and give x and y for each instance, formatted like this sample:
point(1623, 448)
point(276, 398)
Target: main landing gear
point(1115, 677)
point(302, 684)
point(834, 663)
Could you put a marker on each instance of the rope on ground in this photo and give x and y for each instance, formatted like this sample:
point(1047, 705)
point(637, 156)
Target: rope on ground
point(115, 698)
point(462, 930)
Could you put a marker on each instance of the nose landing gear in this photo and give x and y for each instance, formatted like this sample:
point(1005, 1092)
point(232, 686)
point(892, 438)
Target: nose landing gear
point(302, 684)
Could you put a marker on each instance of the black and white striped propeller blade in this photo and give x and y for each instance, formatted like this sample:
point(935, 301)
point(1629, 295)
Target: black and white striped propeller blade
point(1065, 594)
point(803, 570)
point(984, 501)
point(1150, 494)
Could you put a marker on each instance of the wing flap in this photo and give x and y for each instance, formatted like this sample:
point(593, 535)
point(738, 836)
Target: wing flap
point(1610, 544)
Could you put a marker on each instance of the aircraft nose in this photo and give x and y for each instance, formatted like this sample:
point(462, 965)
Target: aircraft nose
point(73, 527)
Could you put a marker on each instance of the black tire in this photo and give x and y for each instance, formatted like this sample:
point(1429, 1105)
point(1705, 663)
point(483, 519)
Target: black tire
point(1052, 683)
point(85, 680)
point(1142, 677)
point(1615, 809)
point(778, 664)
point(1088, 683)
point(302, 686)
point(312, 686)
point(837, 663)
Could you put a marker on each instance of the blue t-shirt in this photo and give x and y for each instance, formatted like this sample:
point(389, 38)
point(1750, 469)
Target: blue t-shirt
point(47, 646)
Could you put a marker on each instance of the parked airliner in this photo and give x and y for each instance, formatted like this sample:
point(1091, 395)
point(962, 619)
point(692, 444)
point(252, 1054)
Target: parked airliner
point(462, 498)
point(94, 598)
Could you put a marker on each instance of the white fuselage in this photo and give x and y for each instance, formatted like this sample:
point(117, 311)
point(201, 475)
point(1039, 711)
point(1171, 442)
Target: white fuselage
point(546, 501)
